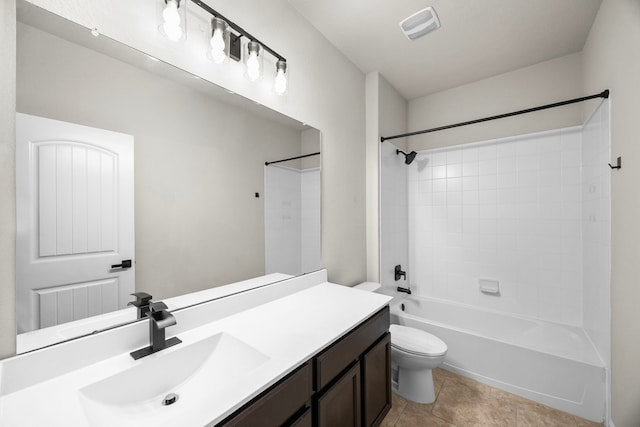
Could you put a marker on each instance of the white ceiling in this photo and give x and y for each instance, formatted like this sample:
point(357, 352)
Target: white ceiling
point(478, 38)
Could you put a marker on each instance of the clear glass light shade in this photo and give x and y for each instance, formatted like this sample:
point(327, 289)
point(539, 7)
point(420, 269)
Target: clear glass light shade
point(254, 61)
point(282, 76)
point(219, 44)
point(173, 19)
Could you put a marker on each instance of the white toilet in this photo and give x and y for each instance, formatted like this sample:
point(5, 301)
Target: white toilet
point(414, 353)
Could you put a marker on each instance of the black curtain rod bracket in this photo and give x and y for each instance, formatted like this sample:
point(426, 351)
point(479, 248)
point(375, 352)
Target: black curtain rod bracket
point(291, 158)
point(618, 164)
point(603, 94)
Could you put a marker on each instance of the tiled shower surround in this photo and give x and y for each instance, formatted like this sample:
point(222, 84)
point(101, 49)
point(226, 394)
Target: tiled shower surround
point(292, 220)
point(509, 210)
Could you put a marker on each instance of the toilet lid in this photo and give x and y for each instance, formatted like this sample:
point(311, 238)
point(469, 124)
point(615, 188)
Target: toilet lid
point(416, 341)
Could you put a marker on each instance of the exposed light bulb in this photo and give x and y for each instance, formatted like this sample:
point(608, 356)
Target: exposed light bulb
point(218, 47)
point(280, 85)
point(171, 20)
point(253, 66)
point(170, 13)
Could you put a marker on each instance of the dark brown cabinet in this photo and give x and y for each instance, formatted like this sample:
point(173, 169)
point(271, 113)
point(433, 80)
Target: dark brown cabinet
point(367, 350)
point(376, 380)
point(340, 405)
point(283, 404)
point(347, 384)
point(304, 420)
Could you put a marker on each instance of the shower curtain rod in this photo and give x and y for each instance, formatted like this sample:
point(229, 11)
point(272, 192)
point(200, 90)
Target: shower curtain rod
point(291, 158)
point(603, 94)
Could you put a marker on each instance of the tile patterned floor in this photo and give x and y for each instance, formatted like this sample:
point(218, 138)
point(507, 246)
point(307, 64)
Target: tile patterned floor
point(463, 402)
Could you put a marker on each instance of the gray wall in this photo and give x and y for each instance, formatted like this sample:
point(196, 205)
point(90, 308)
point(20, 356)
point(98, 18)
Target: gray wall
point(387, 113)
point(198, 162)
point(551, 81)
point(7, 177)
point(612, 60)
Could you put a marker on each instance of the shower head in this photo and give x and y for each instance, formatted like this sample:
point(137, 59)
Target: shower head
point(408, 158)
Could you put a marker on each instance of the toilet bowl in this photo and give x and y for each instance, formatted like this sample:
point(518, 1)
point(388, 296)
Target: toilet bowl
point(414, 354)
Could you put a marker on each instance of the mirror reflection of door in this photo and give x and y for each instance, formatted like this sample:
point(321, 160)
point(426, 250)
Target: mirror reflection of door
point(75, 220)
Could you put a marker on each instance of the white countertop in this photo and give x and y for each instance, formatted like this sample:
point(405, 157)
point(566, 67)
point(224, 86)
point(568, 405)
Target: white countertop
point(288, 330)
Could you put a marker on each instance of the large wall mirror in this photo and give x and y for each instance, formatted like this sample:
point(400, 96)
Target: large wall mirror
point(123, 158)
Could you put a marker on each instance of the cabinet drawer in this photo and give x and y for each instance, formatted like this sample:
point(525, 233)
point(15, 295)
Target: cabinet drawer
point(340, 355)
point(278, 404)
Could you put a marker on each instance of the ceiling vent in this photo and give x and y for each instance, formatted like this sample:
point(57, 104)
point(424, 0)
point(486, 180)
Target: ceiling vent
point(420, 23)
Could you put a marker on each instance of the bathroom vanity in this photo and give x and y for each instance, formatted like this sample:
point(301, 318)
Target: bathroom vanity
point(299, 352)
point(345, 384)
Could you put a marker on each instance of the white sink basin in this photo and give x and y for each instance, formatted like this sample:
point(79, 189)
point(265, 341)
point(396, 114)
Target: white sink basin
point(196, 372)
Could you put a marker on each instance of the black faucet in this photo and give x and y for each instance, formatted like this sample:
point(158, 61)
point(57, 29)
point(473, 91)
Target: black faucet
point(159, 320)
point(142, 302)
point(398, 274)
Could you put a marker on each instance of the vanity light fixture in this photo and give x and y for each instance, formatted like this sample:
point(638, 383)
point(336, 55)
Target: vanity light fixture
point(173, 19)
point(225, 41)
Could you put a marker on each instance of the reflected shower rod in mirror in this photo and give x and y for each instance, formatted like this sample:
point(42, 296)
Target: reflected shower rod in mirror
point(224, 43)
point(291, 158)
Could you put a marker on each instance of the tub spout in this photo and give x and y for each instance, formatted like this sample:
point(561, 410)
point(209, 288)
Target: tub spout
point(405, 290)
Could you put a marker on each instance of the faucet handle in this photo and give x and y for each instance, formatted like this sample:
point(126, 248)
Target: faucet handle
point(157, 306)
point(142, 298)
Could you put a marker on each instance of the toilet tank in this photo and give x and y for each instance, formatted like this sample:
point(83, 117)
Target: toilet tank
point(368, 286)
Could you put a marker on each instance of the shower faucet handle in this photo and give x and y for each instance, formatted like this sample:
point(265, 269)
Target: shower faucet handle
point(399, 273)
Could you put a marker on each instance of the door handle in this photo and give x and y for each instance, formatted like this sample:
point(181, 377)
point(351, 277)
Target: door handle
point(126, 263)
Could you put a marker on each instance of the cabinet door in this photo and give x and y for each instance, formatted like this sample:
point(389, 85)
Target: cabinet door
point(340, 406)
point(376, 382)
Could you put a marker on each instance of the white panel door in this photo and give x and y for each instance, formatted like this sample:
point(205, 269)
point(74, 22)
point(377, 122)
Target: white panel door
point(75, 220)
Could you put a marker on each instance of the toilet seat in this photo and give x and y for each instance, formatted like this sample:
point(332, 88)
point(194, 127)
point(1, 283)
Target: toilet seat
point(416, 341)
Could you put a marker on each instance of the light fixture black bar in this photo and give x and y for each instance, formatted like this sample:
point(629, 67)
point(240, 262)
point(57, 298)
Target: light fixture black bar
point(291, 158)
point(603, 94)
point(238, 29)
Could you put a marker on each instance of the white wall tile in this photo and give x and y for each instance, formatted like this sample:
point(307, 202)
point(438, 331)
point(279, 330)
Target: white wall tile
point(488, 167)
point(469, 169)
point(439, 185)
point(454, 170)
point(454, 157)
point(509, 210)
point(531, 211)
point(470, 154)
point(439, 172)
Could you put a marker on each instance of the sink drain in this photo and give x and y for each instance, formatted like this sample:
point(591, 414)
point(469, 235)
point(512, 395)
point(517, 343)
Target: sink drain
point(170, 399)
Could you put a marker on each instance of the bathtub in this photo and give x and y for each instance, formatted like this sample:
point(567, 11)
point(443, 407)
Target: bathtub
point(552, 364)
